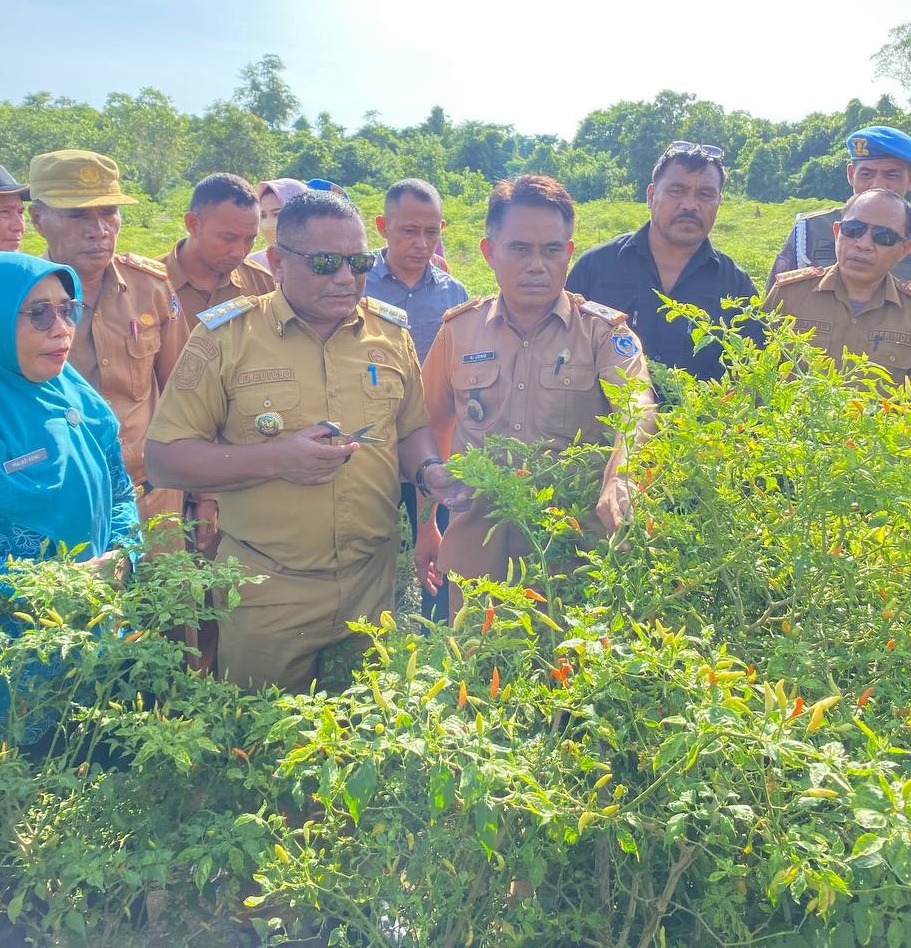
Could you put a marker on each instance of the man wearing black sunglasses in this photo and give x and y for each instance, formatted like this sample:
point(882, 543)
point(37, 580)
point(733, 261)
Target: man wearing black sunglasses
point(672, 255)
point(880, 157)
point(261, 397)
point(857, 304)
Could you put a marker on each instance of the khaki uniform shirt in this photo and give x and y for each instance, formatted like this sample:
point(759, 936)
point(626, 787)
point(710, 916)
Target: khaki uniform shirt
point(127, 346)
point(493, 379)
point(817, 297)
point(249, 279)
point(232, 382)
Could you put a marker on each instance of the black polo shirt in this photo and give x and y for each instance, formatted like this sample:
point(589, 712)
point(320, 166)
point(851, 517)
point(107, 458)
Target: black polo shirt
point(622, 273)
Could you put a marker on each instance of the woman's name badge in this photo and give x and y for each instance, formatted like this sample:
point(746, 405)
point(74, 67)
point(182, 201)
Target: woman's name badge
point(24, 460)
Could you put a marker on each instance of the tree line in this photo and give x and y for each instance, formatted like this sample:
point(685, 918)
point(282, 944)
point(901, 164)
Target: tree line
point(259, 134)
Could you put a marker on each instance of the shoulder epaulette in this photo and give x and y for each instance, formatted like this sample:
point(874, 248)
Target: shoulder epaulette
point(809, 215)
point(218, 315)
point(614, 316)
point(476, 303)
point(146, 264)
point(795, 276)
point(392, 314)
point(256, 265)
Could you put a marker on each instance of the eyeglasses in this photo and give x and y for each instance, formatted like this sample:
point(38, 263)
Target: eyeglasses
point(43, 315)
point(880, 234)
point(326, 263)
point(711, 152)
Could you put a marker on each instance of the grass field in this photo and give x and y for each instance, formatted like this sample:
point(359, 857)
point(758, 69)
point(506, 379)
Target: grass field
point(750, 232)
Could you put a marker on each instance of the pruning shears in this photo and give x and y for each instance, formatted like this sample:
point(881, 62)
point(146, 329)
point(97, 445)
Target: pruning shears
point(360, 435)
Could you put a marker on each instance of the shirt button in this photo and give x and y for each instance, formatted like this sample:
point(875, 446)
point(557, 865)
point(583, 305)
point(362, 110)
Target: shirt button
point(105, 361)
point(567, 381)
point(853, 322)
point(524, 343)
point(891, 358)
point(473, 380)
point(517, 427)
point(267, 403)
point(521, 386)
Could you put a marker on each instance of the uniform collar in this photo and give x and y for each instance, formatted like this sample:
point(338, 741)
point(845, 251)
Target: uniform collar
point(563, 308)
point(284, 314)
point(886, 292)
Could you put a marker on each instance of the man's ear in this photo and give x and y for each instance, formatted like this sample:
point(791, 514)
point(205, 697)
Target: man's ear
point(191, 222)
point(487, 251)
point(649, 195)
point(381, 225)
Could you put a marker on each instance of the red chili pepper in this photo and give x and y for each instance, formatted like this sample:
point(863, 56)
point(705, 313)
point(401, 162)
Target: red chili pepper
point(488, 620)
point(495, 682)
point(864, 698)
point(798, 708)
point(561, 672)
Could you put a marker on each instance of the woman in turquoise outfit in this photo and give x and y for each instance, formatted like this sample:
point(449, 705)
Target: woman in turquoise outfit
point(62, 477)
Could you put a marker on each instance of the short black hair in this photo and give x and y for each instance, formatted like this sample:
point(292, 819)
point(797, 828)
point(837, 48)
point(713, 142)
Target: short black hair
point(422, 190)
point(297, 213)
point(221, 187)
point(528, 190)
point(694, 161)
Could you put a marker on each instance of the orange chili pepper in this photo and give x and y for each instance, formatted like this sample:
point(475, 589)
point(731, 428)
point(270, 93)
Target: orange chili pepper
point(242, 754)
point(133, 636)
point(890, 644)
point(561, 672)
point(574, 524)
point(488, 620)
point(463, 695)
point(864, 698)
point(798, 708)
point(495, 682)
point(535, 596)
point(649, 476)
point(523, 472)
point(850, 443)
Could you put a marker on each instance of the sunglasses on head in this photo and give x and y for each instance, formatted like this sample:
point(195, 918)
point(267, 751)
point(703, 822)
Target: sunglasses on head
point(711, 152)
point(880, 234)
point(44, 314)
point(325, 263)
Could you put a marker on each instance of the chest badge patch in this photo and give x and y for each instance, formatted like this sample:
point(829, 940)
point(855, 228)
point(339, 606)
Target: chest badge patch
point(378, 356)
point(269, 423)
point(73, 417)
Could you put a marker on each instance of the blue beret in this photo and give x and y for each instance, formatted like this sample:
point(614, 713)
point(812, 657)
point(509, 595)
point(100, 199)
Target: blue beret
point(320, 184)
point(879, 141)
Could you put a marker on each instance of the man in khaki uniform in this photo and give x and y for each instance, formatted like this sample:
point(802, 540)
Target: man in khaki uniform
point(526, 363)
point(133, 328)
point(210, 265)
point(857, 304)
point(254, 413)
point(879, 157)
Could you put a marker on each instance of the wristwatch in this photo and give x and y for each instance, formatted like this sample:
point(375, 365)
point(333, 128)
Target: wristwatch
point(419, 481)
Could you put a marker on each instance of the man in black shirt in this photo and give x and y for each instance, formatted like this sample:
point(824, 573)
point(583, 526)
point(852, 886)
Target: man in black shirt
point(673, 255)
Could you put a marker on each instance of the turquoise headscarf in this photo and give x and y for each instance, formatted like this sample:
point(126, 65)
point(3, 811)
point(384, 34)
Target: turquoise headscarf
point(55, 479)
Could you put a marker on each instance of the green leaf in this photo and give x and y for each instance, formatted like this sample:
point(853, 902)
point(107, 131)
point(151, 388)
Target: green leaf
point(895, 934)
point(359, 789)
point(485, 825)
point(442, 788)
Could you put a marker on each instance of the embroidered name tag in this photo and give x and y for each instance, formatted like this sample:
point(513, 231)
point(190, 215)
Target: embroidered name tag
point(478, 357)
point(24, 460)
point(256, 376)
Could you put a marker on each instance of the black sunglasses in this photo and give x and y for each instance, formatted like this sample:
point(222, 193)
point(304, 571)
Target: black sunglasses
point(711, 152)
point(43, 315)
point(325, 263)
point(880, 234)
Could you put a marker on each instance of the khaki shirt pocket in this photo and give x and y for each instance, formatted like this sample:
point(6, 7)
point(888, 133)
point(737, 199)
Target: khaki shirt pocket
point(382, 399)
point(280, 400)
point(141, 353)
point(477, 396)
point(568, 400)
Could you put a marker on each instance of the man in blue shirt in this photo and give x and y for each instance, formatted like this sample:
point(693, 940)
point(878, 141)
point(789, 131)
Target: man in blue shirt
point(404, 275)
point(671, 254)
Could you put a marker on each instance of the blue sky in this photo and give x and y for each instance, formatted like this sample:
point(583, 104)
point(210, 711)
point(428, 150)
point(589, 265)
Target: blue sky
point(479, 59)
